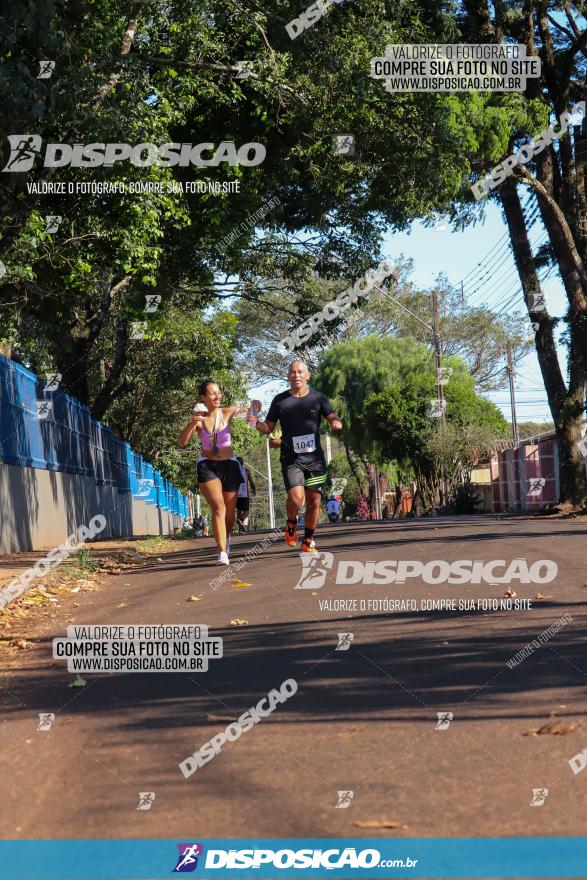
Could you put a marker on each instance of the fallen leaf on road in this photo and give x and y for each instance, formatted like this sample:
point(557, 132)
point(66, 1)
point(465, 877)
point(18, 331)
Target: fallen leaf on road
point(540, 596)
point(240, 584)
point(78, 682)
point(509, 593)
point(193, 599)
point(210, 717)
point(378, 823)
point(75, 590)
point(159, 559)
point(554, 728)
point(238, 622)
point(122, 605)
point(21, 643)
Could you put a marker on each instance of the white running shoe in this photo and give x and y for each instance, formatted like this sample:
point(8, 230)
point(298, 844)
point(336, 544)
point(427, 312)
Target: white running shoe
point(223, 558)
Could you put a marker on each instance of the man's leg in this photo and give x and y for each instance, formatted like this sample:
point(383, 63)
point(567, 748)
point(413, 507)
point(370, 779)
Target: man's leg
point(293, 479)
point(312, 514)
point(314, 478)
point(295, 499)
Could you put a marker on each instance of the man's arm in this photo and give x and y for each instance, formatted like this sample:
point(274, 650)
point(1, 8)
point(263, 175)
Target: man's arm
point(329, 414)
point(268, 425)
point(334, 422)
point(265, 427)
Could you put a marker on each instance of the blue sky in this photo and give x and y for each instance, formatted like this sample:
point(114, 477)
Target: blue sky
point(480, 257)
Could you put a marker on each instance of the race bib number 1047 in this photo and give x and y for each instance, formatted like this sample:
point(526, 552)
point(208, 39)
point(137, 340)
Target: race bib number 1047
point(304, 443)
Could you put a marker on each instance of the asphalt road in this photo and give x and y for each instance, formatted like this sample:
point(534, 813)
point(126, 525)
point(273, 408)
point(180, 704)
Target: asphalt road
point(363, 719)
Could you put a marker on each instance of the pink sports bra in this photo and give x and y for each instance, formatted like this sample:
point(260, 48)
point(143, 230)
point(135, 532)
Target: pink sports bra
point(223, 438)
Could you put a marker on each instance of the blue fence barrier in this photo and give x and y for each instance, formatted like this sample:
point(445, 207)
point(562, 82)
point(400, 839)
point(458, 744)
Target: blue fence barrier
point(45, 428)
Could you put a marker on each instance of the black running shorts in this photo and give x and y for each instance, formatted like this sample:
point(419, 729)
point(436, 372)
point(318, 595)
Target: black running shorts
point(228, 472)
point(305, 470)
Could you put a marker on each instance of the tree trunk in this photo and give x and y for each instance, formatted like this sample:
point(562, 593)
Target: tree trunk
point(370, 470)
point(109, 389)
point(73, 366)
point(355, 466)
point(566, 405)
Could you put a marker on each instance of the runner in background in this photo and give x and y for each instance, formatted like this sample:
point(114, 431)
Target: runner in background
point(333, 509)
point(243, 497)
point(303, 465)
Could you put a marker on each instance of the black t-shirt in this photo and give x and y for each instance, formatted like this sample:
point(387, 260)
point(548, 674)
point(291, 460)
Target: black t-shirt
point(299, 418)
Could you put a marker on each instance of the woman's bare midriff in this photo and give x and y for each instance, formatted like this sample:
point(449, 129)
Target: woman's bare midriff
point(223, 454)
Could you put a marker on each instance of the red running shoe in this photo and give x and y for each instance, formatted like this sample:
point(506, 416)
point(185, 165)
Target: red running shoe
point(291, 534)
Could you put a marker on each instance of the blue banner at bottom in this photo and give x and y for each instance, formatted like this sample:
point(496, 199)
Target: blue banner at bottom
point(368, 858)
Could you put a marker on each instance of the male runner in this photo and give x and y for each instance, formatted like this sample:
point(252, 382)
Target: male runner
point(303, 465)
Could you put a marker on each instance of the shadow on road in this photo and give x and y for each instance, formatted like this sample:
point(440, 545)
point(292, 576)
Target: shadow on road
point(401, 667)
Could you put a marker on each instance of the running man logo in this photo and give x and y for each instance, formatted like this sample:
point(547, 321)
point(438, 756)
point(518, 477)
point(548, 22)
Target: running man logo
point(46, 69)
point(443, 375)
point(24, 148)
point(536, 301)
point(314, 570)
point(153, 301)
point(344, 641)
point(344, 800)
point(444, 719)
point(536, 485)
point(52, 222)
point(139, 328)
point(146, 799)
point(343, 144)
point(44, 408)
point(244, 69)
point(189, 853)
point(52, 381)
point(531, 328)
point(539, 795)
point(144, 488)
point(338, 485)
point(436, 408)
point(46, 719)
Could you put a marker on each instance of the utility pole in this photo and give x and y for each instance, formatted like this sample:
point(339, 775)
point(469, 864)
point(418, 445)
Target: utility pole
point(512, 394)
point(435, 332)
point(270, 486)
point(437, 347)
point(328, 448)
point(377, 494)
point(439, 383)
